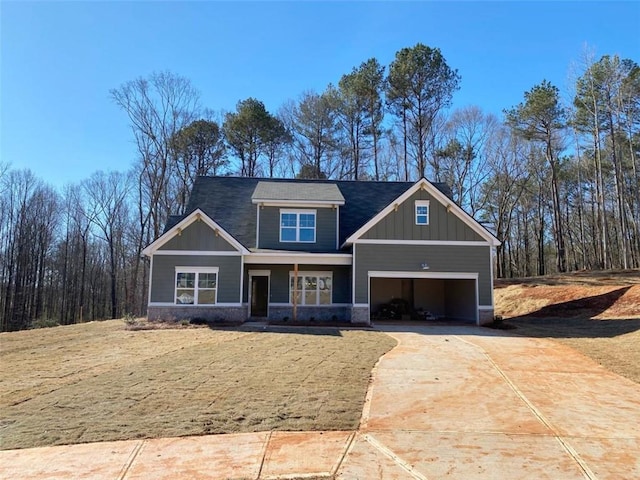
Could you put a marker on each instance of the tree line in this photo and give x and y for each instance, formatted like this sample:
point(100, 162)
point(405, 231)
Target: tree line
point(556, 178)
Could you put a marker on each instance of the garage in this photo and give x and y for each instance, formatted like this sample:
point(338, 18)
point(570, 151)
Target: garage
point(423, 296)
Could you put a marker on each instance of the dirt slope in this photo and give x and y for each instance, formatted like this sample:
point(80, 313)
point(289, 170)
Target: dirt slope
point(597, 313)
point(609, 295)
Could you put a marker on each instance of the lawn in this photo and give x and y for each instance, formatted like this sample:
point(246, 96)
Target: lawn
point(100, 381)
point(596, 313)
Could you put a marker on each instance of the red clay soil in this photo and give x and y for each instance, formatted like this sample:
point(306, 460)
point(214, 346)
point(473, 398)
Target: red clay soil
point(598, 295)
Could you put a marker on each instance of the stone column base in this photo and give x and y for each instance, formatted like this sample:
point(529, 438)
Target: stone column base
point(360, 315)
point(485, 316)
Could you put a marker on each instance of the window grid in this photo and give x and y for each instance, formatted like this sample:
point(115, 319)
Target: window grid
point(312, 288)
point(298, 227)
point(196, 288)
point(422, 212)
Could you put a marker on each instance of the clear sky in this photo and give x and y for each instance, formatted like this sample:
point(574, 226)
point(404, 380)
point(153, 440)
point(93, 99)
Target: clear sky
point(59, 59)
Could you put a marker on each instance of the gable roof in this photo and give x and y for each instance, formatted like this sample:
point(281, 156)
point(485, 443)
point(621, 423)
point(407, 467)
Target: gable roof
point(437, 195)
point(229, 201)
point(184, 222)
point(298, 192)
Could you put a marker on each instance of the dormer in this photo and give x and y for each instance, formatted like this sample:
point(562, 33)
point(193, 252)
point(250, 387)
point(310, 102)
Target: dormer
point(298, 216)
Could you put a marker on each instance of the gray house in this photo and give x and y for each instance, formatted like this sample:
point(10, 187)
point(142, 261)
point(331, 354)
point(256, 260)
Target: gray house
point(321, 249)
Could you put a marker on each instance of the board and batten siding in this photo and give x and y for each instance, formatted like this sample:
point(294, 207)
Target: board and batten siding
point(409, 258)
point(198, 236)
point(400, 224)
point(269, 235)
point(279, 281)
point(164, 275)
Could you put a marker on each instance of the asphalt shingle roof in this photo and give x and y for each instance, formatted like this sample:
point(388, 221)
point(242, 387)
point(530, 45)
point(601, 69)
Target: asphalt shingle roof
point(228, 201)
point(305, 191)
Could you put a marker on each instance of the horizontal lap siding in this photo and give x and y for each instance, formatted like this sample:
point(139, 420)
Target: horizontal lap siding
point(279, 287)
point(409, 258)
point(198, 236)
point(164, 268)
point(400, 224)
point(325, 230)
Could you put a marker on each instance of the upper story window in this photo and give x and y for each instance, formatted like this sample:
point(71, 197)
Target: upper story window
point(196, 286)
point(422, 212)
point(298, 226)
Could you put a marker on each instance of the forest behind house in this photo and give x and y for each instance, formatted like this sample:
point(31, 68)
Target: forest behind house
point(556, 178)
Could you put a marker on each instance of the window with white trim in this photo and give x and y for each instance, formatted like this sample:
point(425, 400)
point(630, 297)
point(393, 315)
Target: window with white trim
point(196, 286)
point(311, 288)
point(298, 226)
point(422, 212)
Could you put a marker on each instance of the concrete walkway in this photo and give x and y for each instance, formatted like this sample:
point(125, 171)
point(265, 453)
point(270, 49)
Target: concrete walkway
point(447, 402)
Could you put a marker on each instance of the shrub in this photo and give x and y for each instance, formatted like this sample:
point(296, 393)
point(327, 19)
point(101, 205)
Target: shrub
point(129, 319)
point(45, 323)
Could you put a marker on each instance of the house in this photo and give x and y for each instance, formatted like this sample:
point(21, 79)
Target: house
point(298, 250)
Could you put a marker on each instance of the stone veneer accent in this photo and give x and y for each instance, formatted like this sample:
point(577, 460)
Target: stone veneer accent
point(210, 313)
point(305, 313)
point(360, 315)
point(485, 316)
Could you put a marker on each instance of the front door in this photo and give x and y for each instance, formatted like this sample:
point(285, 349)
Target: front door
point(259, 296)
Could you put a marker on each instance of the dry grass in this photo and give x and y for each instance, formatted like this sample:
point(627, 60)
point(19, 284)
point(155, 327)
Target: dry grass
point(100, 381)
point(597, 313)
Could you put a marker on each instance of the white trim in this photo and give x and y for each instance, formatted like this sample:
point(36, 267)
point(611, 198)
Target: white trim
point(462, 243)
point(360, 305)
point(435, 194)
point(337, 227)
point(300, 203)
point(441, 275)
point(197, 271)
point(259, 273)
point(421, 203)
point(353, 276)
point(188, 305)
point(431, 275)
point(203, 253)
point(282, 258)
point(310, 273)
point(241, 276)
point(297, 213)
point(282, 304)
point(150, 279)
point(485, 307)
point(258, 226)
point(492, 256)
point(197, 214)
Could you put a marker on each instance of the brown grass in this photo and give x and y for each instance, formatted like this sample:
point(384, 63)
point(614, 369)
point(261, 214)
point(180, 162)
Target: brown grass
point(597, 313)
point(100, 381)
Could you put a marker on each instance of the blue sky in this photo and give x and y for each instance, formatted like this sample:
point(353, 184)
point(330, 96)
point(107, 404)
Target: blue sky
point(59, 59)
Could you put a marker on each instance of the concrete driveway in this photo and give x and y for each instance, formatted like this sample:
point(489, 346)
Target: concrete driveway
point(471, 403)
point(447, 402)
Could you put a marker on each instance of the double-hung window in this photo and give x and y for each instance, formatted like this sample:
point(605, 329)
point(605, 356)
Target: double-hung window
point(311, 288)
point(422, 212)
point(298, 226)
point(196, 286)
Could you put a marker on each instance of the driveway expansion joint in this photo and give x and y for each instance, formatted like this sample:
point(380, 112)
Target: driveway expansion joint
point(588, 473)
point(134, 454)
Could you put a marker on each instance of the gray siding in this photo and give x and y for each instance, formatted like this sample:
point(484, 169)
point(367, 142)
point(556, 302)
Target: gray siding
point(409, 258)
point(325, 231)
point(198, 236)
point(164, 274)
point(401, 224)
point(279, 287)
